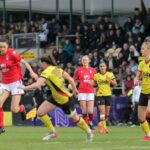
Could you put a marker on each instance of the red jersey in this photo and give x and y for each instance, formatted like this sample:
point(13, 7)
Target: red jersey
point(84, 75)
point(10, 66)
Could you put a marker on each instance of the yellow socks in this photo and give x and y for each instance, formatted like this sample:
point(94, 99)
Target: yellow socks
point(47, 122)
point(82, 124)
point(103, 123)
point(145, 127)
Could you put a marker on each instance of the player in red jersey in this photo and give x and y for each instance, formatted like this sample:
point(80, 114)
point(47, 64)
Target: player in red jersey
point(11, 78)
point(86, 92)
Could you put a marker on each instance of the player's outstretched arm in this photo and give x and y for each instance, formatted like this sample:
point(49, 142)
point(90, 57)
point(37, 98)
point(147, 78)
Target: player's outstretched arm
point(67, 77)
point(33, 75)
point(35, 85)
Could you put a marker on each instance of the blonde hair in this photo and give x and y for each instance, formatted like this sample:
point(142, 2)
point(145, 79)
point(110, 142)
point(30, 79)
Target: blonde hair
point(86, 56)
point(147, 42)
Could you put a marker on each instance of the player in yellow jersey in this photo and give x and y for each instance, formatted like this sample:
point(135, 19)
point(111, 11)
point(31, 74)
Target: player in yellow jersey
point(103, 79)
point(54, 78)
point(144, 102)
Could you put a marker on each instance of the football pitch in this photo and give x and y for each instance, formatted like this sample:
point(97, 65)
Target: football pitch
point(72, 138)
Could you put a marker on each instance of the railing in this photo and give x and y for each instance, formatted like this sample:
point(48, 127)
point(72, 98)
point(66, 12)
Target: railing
point(25, 42)
point(63, 36)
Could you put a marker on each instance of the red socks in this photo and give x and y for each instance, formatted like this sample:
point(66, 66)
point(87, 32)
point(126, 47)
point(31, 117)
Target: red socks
point(85, 117)
point(88, 117)
point(91, 117)
point(1, 118)
point(21, 108)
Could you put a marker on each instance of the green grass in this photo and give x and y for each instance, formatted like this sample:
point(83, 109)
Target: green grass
point(29, 138)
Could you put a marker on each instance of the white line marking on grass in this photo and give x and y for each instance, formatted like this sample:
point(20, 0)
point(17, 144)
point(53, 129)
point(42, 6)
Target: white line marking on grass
point(52, 142)
point(130, 148)
point(115, 148)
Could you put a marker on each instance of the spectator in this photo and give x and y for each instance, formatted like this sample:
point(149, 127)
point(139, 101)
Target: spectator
point(86, 36)
point(128, 83)
point(44, 31)
point(119, 38)
point(61, 56)
point(76, 55)
point(95, 60)
point(111, 38)
point(68, 48)
point(93, 36)
point(125, 52)
point(133, 66)
point(138, 15)
point(64, 30)
point(128, 25)
point(138, 27)
point(111, 61)
point(54, 29)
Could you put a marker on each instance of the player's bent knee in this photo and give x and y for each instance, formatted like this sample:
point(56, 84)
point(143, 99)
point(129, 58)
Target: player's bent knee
point(73, 116)
point(40, 113)
point(75, 119)
point(90, 112)
point(141, 119)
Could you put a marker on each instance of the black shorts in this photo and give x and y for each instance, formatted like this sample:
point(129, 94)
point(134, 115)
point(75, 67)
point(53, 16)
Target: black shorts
point(144, 99)
point(103, 100)
point(68, 107)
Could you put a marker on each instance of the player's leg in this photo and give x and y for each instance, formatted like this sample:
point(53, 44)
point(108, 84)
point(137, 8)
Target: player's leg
point(70, 111)
point(42, 111)
point(90, 110)
point(148, 106)
point(3, 98)
point(107, 111)
point(16, 97)
point(142, 111)
point(101, 107)
point(102, 122)
point(16, 107)
point(83, 105)
point(80, 122)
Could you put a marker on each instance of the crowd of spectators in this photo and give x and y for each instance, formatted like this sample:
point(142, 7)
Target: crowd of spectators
point(103, 39)
point(119, 45)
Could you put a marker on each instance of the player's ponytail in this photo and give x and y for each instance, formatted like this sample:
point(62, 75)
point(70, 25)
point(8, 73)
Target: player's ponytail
point(50, 60)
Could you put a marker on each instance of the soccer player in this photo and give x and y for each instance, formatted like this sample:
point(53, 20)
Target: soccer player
point(54, 78)
point(86, 92)
point(144, 102)
point(103, 79)
point(38, 99)
point(11, 78)
point(135, 101)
